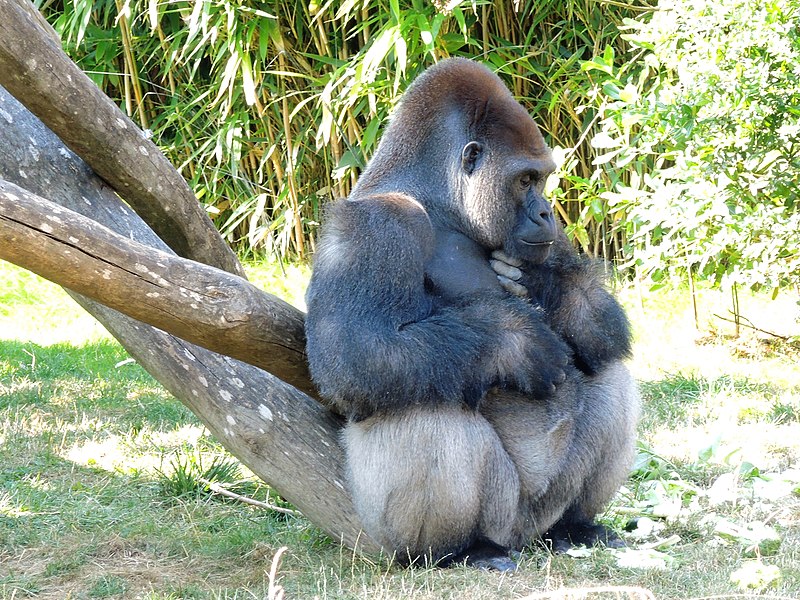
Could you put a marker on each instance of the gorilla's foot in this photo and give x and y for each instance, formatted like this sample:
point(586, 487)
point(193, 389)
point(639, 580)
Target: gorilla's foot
point(567, 534)
point(483, 554)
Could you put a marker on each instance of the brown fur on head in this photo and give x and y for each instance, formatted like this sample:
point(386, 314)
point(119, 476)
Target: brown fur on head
point(468, 151)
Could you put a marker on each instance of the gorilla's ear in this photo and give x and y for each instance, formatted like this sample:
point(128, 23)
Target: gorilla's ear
point(470, 156)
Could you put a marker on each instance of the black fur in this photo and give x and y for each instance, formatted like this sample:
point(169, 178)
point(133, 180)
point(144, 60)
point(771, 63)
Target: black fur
point(477, 420)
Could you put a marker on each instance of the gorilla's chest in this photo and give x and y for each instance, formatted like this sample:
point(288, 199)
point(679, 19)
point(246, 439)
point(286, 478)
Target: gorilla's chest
point(458, 267)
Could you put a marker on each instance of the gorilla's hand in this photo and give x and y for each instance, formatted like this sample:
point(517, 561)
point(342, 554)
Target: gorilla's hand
point(547, 360)
point(527, 355)
point(508, 273)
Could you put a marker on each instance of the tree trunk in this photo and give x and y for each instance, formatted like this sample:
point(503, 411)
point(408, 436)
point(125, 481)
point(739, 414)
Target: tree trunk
point(38, 73)
point(280, 433)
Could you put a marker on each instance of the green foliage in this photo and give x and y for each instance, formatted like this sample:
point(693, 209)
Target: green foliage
point(186, 475)
point(271, 109)
point(700, 140)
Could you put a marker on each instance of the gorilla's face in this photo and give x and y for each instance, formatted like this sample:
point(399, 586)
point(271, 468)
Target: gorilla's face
point(534, 228)
point(505, 168)
point(504, 203)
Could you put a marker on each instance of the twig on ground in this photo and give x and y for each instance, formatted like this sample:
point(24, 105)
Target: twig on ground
point(748, 323)
point(619, 591)
point(218, 489)
point(275, 591)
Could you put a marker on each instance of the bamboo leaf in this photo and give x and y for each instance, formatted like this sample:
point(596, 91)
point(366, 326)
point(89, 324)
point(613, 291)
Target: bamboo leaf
point(247, 79)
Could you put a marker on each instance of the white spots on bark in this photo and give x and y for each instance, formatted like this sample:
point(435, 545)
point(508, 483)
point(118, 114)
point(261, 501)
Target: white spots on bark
point(225, 395)
point(230, 420)
point(158, 278)
point(121, 123)
point(195, 393)
point(190, 294)
point(153, 295)
point(23, 174)
point(46, 227)
point(74, 240)
point(265, 412)
point(86, 201)
point(64, 153)
point(53, 219)
point(34, 152)
point(189, 355)
point(237, 382)
point(203, 381)
point(6, 116)
point(261, 430)
point(143, 151)
point(10, 196)
point(106, 274)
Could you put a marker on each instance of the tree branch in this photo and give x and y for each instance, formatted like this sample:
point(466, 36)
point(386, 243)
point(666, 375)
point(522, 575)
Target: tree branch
point(198, 303)
point(52, 87)
point(283, 436)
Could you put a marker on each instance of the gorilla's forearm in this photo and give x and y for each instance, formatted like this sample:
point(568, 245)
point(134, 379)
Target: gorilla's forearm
point(452, 355)
point(377, 340)
point(365, 366)
point(571, 290)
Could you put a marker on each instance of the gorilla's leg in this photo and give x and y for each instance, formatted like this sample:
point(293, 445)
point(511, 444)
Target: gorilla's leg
point(433, 482)
point(569, 471)
point(605, 431)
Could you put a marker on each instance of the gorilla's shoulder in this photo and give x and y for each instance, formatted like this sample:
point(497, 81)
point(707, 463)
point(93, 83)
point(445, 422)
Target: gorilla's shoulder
point(388, 215)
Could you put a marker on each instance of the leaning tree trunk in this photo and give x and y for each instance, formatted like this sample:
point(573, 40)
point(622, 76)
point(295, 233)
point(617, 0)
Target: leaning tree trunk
point(61, 220)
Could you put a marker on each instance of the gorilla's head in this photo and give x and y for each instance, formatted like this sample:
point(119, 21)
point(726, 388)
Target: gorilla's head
point(473, 156)
point(504, 167)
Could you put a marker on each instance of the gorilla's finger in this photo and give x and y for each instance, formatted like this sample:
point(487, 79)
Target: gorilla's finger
point(503, 257)
point(513, 287)
point(506, 270)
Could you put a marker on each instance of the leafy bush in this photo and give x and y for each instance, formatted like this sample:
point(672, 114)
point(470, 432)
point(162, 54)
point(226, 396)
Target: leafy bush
point(700, 140)
point(269, 109)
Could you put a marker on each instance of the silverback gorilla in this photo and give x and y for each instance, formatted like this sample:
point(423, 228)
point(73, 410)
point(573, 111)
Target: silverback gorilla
point(478, 420)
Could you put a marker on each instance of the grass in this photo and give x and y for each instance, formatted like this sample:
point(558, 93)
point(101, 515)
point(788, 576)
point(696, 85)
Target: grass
point(102, 491)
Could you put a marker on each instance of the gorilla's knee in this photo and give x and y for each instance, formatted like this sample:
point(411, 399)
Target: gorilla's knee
point(428, 481)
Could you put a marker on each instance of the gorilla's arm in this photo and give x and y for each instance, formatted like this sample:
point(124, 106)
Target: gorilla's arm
point(378, 340)
point(571, 290)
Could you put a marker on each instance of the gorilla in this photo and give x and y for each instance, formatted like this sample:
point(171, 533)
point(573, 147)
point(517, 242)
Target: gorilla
point(476, 356)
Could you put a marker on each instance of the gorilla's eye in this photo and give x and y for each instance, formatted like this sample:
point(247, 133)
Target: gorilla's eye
point(525, 181)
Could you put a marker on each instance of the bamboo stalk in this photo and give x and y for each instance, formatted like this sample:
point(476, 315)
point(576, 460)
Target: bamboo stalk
point(130, 62)
point(290, 177)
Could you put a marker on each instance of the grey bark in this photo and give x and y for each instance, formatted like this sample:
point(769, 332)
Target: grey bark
point(280, 433)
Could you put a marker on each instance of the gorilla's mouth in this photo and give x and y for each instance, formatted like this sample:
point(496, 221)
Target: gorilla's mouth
point(549, 243)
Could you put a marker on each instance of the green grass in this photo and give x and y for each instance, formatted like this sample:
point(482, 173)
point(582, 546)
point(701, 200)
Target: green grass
point(101, 491)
